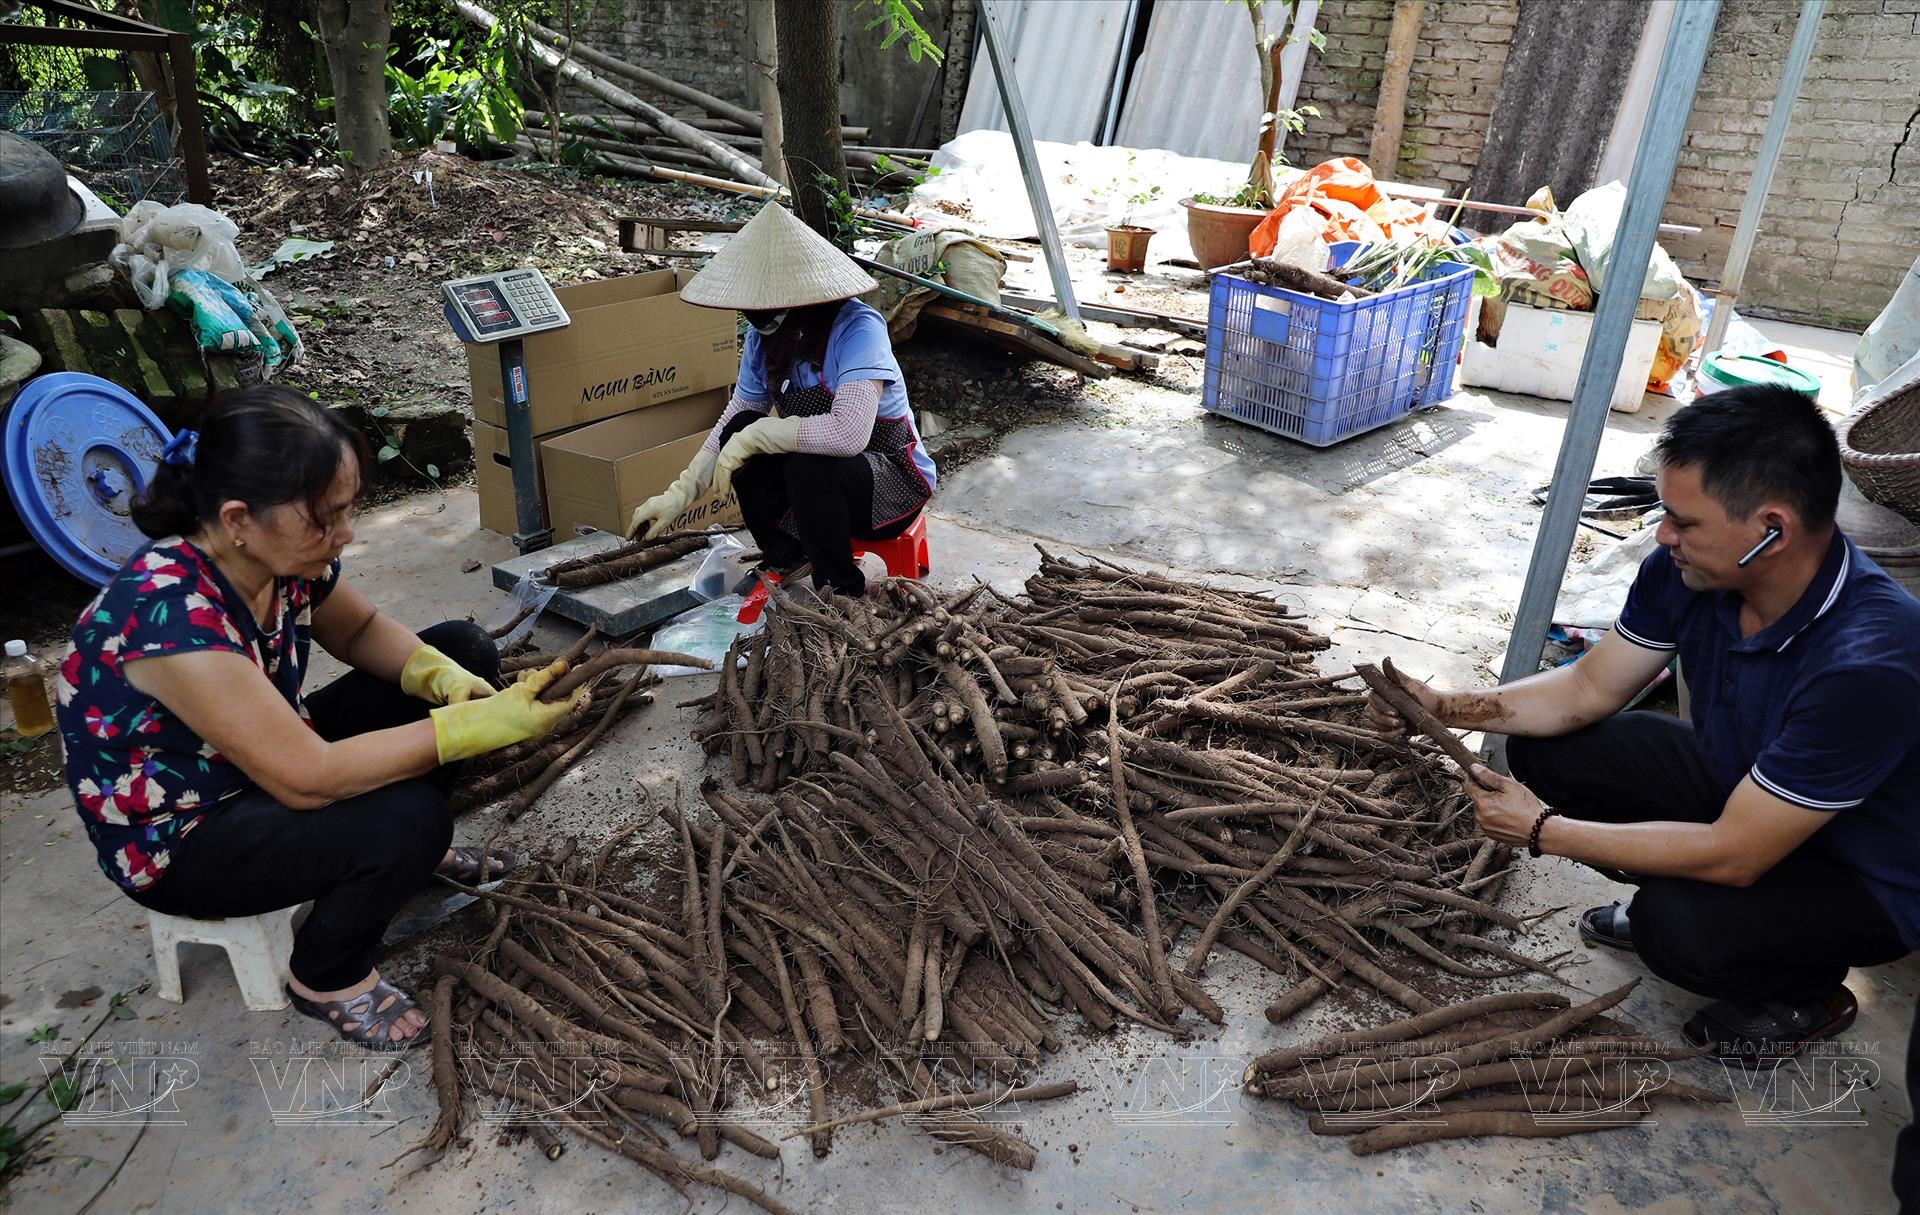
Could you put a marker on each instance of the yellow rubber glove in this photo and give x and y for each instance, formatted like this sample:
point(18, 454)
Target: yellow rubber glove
point(433, 677)
point(668, 505)
point(474, 727)
point(767, 437)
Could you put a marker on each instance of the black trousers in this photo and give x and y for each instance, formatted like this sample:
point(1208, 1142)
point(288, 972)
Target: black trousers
point(1791, 936)
point(357, 859)
point(1906, 1146)
point(831, 498)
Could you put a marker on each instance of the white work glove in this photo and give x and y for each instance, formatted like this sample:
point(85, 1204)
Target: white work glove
point(768, 436)
point(670, 503)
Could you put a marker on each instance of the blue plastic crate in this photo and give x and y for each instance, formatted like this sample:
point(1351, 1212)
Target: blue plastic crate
point(1319, 371)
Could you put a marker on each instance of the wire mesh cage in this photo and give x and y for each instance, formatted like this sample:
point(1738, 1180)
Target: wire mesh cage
point(116, 142)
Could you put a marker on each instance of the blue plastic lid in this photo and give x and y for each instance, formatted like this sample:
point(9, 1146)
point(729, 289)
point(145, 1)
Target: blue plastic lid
point(78, 449)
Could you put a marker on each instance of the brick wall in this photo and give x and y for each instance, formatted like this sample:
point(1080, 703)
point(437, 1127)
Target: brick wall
point(1842, 221)
point(1454, 79)
point(702, 43)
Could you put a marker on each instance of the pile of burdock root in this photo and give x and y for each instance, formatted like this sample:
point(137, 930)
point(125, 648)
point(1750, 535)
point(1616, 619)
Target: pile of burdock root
point(956, 823)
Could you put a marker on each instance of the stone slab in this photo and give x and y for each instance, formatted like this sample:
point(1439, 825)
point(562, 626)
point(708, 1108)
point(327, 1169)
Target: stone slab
point(617, 608)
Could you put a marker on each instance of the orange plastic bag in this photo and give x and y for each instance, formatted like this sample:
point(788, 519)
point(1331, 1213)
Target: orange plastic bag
point(1350, 206)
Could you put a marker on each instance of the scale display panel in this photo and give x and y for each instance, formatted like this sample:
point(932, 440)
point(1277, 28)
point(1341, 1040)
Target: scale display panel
point(510, 304)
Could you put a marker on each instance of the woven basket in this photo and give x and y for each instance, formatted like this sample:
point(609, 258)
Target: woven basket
point(1880, 446)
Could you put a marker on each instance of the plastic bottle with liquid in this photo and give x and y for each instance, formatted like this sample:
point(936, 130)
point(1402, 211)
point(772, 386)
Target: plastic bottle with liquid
point(27, 690)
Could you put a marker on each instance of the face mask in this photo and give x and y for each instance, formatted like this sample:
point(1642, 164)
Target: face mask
point(766, 323)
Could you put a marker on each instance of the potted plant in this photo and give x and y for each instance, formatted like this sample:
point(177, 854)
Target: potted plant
point(1126, 240)
point(1218, 225)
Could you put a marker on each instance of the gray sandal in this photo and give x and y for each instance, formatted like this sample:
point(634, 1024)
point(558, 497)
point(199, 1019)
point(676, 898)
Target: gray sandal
point(373, 1014)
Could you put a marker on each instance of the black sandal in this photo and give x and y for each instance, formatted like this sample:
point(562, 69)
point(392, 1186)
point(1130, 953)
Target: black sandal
point(466, 866)
point(1768, 1034)
point(1598, 926)
point(373, 1013)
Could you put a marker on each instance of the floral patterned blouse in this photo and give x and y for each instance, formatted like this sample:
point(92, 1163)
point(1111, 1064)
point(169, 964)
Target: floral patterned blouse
point(140, 777)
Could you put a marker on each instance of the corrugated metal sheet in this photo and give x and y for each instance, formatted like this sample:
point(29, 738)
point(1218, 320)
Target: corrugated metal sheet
point(1064, 55)
point(1196, 89)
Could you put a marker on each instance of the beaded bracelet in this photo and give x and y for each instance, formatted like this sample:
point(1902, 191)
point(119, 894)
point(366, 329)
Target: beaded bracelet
point(1533, 838)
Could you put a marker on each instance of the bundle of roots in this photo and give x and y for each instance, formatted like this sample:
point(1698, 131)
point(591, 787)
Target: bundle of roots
point(1519, 1064)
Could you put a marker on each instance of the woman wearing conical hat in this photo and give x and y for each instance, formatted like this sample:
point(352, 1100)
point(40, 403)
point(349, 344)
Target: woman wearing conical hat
point(818, 439)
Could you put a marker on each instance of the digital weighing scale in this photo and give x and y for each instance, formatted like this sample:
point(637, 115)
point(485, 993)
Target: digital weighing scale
point(501, 309)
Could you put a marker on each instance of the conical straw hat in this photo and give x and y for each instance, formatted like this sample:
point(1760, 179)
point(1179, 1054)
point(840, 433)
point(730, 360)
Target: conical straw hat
point(776, 262)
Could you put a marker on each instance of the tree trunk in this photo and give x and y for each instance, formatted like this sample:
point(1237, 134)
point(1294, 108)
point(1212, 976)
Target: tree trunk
point(808, 34)
point(1390, 111)
point(1270, 41)
point(355, 33)
point(958, 67)
point(763, 70)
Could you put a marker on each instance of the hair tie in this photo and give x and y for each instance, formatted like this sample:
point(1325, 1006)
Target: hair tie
point(181, 447)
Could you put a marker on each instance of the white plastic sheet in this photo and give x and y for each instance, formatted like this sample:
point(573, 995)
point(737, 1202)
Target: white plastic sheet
point(1087, 186)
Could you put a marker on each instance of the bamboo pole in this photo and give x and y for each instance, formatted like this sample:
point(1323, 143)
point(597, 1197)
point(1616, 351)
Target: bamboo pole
point(637, 166)
point(719, 153)
point(619, 67)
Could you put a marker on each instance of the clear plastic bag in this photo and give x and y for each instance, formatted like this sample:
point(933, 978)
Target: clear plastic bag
point(707, 631)
point(727, 564)
point(529, 598)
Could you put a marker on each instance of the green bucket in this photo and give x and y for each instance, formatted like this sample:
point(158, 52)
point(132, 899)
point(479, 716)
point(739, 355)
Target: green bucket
point(1718, 371)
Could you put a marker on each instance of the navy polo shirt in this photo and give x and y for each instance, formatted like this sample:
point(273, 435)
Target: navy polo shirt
point(1821, 707)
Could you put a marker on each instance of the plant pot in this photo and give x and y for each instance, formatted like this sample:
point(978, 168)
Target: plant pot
point(1127, 248)
point(1219, 234)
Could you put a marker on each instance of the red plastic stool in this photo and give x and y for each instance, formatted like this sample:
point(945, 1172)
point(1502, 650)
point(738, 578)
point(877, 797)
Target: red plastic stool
point(905, 554)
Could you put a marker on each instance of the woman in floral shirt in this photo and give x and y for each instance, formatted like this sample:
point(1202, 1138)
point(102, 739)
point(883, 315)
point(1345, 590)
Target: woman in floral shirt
point(208, 783)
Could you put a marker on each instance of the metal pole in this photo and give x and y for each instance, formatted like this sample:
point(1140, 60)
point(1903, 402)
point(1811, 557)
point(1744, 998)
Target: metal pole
point(1111, 123)
point(1030, 163)
point(1804, 36)
point(1667, 113)
point(530, 531)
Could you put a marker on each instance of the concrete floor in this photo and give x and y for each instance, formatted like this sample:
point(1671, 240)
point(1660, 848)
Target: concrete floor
point(1410, 542)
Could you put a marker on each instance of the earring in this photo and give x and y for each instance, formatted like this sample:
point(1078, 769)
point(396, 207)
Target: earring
point(239, 543)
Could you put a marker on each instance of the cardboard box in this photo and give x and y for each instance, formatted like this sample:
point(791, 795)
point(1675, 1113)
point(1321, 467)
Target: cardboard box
point(633, 343)
point(1541, 350)
point(494, 463)
point(598, 474)
point(493, 470)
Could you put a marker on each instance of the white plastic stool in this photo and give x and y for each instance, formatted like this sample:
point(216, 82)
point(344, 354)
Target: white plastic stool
point(257, 947)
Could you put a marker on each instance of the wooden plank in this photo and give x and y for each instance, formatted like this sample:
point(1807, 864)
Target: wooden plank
point(1015, 337)
point(1113, 314)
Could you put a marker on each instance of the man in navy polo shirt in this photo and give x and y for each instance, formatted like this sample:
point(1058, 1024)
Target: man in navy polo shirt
point(1775, 839)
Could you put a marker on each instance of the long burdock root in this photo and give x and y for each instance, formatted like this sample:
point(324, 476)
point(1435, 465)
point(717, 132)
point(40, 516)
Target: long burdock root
point(607, 660)
point(648, 555)
point(524, 800)
point(446, 1085)
point(1395, 693)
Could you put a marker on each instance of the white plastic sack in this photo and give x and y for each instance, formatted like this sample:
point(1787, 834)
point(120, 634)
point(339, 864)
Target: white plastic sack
point(1592, 595)
point(157, 241)
point(1893, 338)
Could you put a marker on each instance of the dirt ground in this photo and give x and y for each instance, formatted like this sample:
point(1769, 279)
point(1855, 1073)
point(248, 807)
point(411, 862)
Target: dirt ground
point(398, 232)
